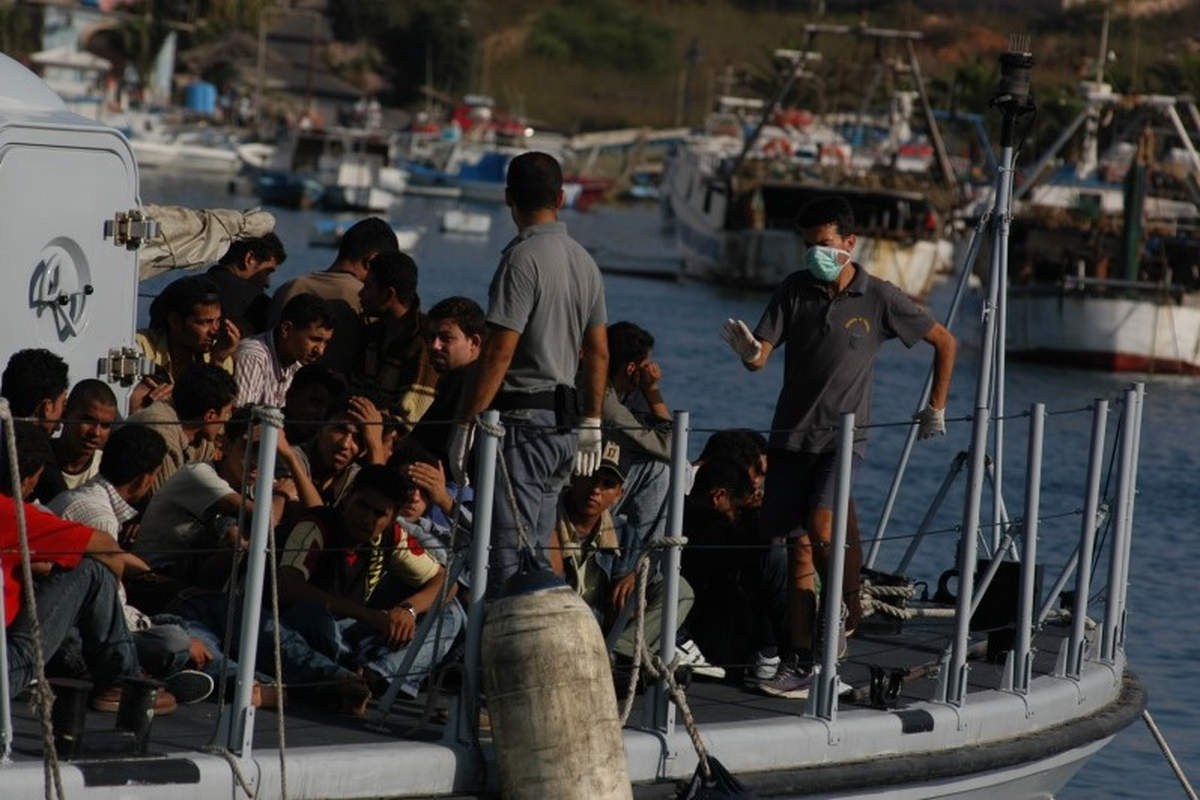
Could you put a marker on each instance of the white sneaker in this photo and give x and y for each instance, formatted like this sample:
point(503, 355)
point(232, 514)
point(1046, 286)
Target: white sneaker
point(764, 669)
point(690, 655)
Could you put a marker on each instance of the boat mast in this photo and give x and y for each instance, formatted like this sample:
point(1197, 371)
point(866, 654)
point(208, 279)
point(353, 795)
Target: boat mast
point(1088, 157)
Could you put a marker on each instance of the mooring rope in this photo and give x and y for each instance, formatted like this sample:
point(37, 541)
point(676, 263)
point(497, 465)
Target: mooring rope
point(43, 696)
point(1168, 755)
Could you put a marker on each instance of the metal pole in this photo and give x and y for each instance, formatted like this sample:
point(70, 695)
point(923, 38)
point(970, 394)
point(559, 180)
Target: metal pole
point(955, 467)
point(1001, 255)
point(981, 586)
point(960, 289)
point(1023, 655)
point(1133, 477)
point(241, 731)
point(956, 685)
point(1041, 163)
point(6, 735)
point(1087, 540)
point(670, 619)
point(832, 579)
point(481, 538)
point(935, 133)
point(1113, 608)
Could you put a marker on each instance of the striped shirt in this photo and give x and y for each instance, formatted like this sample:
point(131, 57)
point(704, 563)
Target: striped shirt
point(261, 378)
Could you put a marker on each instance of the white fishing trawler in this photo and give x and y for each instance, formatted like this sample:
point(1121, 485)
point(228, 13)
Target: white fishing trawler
point(732, 197)
point(947, 703)
point(1105, 260)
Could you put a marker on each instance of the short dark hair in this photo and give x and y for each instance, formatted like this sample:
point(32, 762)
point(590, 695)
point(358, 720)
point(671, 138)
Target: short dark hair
point(131, 452)
point(724, 474)
point(627, 343)
point(463, 312)
point(740, 445)
point(89, 390)
point(30, 377)
point(534, 181)
point(825, 210)
point(201, 388)
point(410, 451)
point(317, 374)
point(367, 236)
point(397, 271)
point(267, 247)
point(381, 479)
point(238, 423)
point(305, 309)
point(33, 451)
point(181, 297)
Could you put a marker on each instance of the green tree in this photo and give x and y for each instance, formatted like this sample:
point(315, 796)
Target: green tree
point(602, 33)
point(405, 33)
point(18, 37)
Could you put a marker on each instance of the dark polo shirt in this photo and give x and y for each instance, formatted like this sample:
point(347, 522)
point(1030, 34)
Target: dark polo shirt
point(830, 353)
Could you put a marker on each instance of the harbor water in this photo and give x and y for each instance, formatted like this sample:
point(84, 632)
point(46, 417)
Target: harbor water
point(700, 374)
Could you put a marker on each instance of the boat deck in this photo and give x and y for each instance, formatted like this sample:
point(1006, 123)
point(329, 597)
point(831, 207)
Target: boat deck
point(916, 650)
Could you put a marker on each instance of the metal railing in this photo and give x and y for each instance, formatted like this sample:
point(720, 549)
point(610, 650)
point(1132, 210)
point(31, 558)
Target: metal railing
point(238, 727)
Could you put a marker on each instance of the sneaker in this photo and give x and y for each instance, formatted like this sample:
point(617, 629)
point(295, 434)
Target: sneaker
point(790, 680)
point(794, 682)
point(109, 700)
point(764, 669)
point(690, 656)
point(189, 686)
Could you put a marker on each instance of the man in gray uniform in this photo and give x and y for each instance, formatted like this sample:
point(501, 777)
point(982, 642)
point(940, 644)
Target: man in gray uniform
point(545, 309)
point(833, 317)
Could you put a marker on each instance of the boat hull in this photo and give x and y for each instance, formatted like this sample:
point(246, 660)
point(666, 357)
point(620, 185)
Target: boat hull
point(761, 259)
point(1117, 334)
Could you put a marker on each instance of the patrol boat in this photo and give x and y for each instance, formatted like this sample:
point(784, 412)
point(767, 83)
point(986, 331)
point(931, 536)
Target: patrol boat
point(1008, 701)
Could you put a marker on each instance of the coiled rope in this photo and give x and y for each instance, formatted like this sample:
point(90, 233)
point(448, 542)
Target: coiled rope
point(653, 664)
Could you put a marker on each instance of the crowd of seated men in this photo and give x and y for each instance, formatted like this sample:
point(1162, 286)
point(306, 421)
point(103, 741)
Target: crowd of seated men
point(138, 517)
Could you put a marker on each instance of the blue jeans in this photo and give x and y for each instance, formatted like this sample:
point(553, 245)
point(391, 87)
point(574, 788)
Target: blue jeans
point(539, 461)
point(85, 598)
point(644, 500)
point(164, 648)
point(334, 641)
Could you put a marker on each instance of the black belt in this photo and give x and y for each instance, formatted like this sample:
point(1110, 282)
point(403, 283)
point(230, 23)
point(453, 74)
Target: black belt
point(515, 401)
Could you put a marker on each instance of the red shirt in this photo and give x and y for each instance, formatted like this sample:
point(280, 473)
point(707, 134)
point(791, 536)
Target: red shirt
point(50, 539)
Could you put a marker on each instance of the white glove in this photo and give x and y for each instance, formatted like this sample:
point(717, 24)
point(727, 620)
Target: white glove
point(588, 449)
point(740, 339)
point(930, 422)
point(459, 450)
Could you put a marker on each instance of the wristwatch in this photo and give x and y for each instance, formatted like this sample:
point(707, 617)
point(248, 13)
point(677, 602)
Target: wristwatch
point(408, 607)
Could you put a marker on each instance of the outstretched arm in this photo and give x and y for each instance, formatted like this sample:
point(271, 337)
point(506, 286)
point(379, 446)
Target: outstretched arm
point(945, 348)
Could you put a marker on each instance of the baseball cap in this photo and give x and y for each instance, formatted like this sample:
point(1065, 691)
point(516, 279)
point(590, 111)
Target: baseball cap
point(611, 459)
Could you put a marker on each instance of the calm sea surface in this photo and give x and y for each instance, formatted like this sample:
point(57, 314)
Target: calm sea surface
point(701, 375)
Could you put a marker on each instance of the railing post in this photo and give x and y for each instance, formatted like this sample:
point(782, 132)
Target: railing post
point(960, 287)
point(1133, 482)
point(481, 538)
point(955, 467)
point(1087, 539)
point(241, 731)
point(6, 735)
point(665, 710)
point(835, 563)
point(1023, 655)
point(1114, 602)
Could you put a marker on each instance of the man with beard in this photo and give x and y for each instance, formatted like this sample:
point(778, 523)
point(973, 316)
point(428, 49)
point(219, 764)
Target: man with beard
point(456, 328)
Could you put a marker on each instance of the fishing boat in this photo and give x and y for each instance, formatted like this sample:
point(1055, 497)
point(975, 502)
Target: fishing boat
point(995, 693)
point(353, 166)
point(1104, 255)
point(731, 196)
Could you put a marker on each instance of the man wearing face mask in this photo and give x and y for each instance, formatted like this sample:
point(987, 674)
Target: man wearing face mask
point(833, 316)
